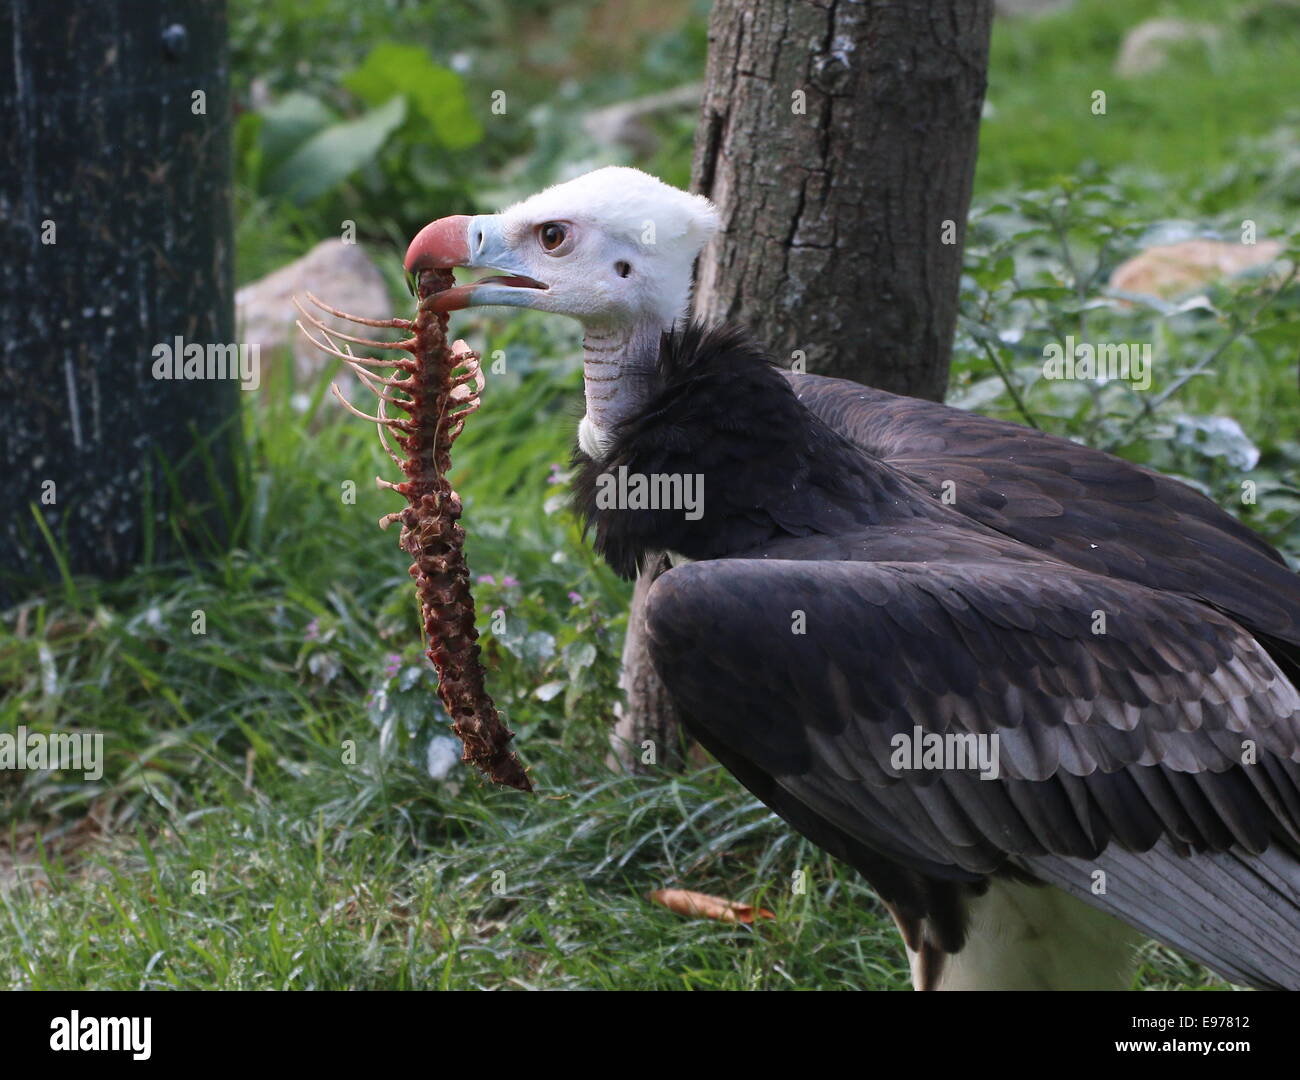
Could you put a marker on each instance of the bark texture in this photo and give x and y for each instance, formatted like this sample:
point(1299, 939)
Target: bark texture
point(839, 141)
point(647, 735)
point(115, 223)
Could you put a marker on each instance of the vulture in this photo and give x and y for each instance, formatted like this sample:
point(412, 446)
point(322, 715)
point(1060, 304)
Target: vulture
point(1043, 699)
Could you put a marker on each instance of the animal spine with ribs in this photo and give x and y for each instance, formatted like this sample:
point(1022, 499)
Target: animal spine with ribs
point(441, 387)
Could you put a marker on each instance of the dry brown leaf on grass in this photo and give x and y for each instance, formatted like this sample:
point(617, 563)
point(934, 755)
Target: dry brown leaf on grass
point(703, 906)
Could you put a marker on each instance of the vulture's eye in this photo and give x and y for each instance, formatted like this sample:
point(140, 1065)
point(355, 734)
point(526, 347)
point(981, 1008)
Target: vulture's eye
point(551, 235)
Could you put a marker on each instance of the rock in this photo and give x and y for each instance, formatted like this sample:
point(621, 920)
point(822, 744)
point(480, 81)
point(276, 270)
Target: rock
point(625, 124)
point(1147, 46)
point(1172, 270)
point(340, 274)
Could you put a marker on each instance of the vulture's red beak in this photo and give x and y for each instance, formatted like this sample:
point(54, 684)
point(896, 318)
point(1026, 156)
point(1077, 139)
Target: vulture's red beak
point(440, 245)
point(467, 241)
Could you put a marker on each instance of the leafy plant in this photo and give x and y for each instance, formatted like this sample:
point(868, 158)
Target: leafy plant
point(394, 144)
point(1037, 284)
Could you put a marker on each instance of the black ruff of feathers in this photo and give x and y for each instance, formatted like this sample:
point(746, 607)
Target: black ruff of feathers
point(724, 412)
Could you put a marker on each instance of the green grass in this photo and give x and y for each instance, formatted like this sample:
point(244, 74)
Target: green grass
point(380, 882)
point(237, 842)
point(1184, 122)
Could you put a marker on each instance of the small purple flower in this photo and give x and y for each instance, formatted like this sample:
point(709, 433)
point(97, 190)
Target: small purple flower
point(486, 579)
point(392, 664)
point(509, 582)
point(557, 473)
point(312, 633)
point(575, 598)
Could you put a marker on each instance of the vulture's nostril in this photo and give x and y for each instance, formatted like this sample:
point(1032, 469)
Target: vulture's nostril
point(622, 268)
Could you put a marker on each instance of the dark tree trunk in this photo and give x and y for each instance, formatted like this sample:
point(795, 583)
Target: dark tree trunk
point(647, 735)
point(115, 216)
point(839, 142)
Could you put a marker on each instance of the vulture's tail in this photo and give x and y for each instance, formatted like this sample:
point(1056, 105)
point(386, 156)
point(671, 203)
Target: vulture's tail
point(1237, 914)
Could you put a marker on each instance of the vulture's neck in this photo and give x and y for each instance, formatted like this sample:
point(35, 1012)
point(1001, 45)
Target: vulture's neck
point(619, 367)
point(710, 454)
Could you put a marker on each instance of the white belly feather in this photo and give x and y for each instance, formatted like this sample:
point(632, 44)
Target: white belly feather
point(1025, 937)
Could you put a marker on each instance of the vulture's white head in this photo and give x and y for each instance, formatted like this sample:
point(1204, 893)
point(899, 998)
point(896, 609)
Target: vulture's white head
point(614, 247)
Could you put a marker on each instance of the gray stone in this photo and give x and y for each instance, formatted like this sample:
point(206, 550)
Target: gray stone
point(1147, 46)
point(340, 274)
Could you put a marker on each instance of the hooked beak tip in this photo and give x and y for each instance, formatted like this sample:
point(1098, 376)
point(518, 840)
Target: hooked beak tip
point(440, 245)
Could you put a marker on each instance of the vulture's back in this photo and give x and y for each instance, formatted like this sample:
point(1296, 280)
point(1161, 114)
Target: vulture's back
point(1091, 509)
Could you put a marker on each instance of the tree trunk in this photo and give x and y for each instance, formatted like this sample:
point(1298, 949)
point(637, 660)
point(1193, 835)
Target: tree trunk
point(838, 141)
point(647, 735)
point(115, 222)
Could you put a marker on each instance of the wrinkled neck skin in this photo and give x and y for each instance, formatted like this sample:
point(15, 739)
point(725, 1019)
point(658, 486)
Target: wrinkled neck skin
point(620, 365)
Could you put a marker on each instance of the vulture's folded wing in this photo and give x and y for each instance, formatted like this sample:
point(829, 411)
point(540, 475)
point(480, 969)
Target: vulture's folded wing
point(1090, 509)
point(1127, 720)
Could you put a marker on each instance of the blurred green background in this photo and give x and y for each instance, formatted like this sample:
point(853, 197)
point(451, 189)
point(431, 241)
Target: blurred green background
point(232, 844)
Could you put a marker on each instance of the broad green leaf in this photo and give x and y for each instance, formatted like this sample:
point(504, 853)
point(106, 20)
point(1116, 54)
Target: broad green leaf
point(578, 655)
point(991, 276)
point(437, 93)
point(332, 155)
point(550, 689)
point(1282, 333)
point(1043, 292)
point(979, 393)
point(532, 647)
point(290, 122)
point(1217, 436)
